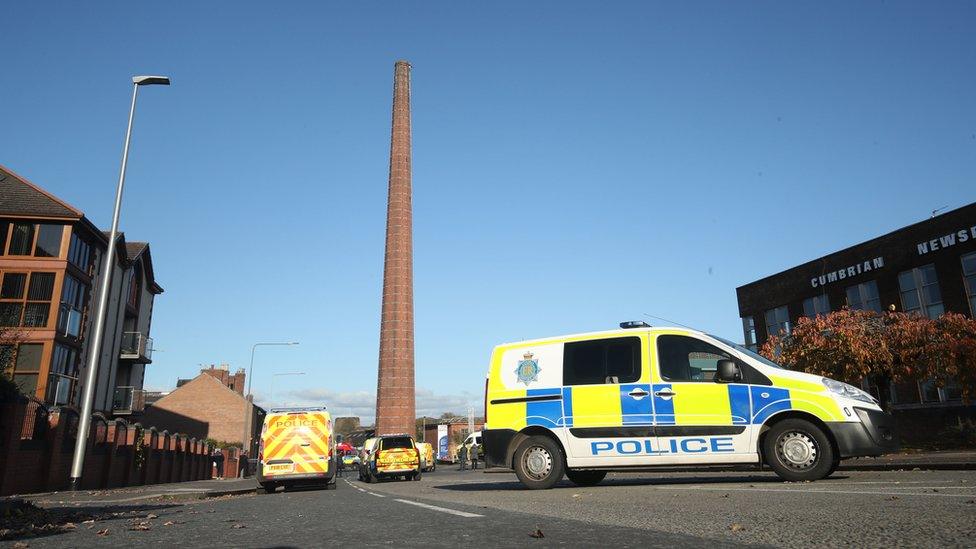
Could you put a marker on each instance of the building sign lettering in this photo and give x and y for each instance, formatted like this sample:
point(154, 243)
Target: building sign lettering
point(847, 272)
point(951, 239)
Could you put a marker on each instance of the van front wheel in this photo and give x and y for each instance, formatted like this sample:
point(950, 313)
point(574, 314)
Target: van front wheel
point(539, 462)
point(798, 450)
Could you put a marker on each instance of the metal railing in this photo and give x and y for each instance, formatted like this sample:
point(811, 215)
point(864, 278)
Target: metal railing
point(59, 388)
point(127, 400)
point(136, 346)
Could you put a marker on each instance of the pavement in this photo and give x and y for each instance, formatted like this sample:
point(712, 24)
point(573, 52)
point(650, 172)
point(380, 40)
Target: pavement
point(200, 489)
point(451, 508)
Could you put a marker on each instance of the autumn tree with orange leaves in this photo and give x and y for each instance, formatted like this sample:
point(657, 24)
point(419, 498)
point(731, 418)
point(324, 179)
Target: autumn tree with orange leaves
point(851, 345)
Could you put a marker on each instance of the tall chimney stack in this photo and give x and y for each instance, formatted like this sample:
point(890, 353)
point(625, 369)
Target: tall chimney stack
point(395, 406)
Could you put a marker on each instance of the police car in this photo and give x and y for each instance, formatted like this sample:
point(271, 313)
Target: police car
point(643, 396)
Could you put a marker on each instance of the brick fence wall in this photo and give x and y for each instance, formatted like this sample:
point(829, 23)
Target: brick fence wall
point(36, 447)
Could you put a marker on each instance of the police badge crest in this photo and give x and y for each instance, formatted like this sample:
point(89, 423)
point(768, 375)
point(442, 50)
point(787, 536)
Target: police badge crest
point(528, 369)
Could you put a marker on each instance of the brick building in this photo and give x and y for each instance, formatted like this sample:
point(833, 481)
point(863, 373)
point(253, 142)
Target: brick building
point(211, 405)
point(51, 256)
point(927, 268)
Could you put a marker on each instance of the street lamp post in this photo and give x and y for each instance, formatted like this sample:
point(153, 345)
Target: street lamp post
point(88, 397)
point(246, 442)
point(271, 392)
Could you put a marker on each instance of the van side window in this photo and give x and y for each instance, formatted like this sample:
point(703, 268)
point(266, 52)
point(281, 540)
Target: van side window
point(615, 360)
point(682, 358)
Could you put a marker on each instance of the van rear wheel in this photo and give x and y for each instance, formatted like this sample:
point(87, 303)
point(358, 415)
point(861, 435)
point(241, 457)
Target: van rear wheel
point(798, 450)
point(586, 478)
point(268, 487)
point(539, 462)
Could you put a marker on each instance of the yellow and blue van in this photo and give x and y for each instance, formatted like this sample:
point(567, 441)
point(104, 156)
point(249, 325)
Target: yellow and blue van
point(643, 396)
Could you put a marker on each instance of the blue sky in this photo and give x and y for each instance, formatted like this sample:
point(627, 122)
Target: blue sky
point(575, 165)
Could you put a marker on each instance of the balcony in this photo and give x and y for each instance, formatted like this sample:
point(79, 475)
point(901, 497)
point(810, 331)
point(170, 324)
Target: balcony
point(136, 347)
point(128, 400)
point(59, 389)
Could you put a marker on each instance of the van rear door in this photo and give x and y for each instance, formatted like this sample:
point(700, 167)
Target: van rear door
point(297, 443)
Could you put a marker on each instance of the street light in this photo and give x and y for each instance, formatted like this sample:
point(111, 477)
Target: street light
point(271, 392)
point(246, 442)
point(87, 401)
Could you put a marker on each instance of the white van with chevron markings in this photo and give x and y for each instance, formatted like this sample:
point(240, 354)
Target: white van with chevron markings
point(642, 396)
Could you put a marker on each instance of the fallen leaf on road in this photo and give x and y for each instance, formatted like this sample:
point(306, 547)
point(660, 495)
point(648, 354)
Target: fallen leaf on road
point(725, 495)
point(972, 501)
point(736, 527)
point(935, 489)
point(21, 545)
point(537, 534)
point(892, 498)
point(239, 525)
point(140, 527)
point(89, 521)
point(102, 532)
point(576, 495)
point(168, 523)
point(151, 516)
point(69, 526)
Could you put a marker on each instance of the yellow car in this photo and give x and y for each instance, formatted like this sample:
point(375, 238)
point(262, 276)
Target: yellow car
point(427, 461)
point(394, 456)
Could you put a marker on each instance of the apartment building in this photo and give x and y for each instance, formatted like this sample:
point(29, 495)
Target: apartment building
point(51, 257)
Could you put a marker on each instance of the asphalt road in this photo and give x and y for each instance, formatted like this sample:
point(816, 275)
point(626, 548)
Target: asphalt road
point(456, 509)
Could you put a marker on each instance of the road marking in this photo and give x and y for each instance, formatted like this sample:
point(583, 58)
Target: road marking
point(441, 509)
point(375, 494)
point(797, 491)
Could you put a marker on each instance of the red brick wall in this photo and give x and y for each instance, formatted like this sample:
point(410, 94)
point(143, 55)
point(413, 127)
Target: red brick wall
point(36, 456)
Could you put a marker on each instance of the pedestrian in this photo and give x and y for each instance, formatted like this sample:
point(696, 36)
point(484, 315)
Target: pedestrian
point(218, 462)
point(473, 452)
point(245, 465)
point(463, 456)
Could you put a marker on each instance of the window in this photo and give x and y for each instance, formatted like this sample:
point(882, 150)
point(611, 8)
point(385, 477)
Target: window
point(682, 358)
point(969, 277)
point(31, 308)
point(778, 321)
point(600, 361)
point(27, 366)
point(816, 305)
point(864, 296)
point(21, 239)
point(63, 375)
point(48, 240)
point(135, 288)
point(920, 291)
point(73, 299)
point(4, 226)
point(397, 442)
point(80, 253)
point(749, 332)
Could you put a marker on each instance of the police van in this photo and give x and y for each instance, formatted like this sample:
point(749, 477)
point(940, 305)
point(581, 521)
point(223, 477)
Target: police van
point(643, 396)
point(297, 448)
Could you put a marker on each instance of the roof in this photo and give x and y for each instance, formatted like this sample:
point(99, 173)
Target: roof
point(18, 196)
point(133, 249)
point(601, 334)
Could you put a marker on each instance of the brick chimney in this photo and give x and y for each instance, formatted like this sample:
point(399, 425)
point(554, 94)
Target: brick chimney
point(395, 382)
point(222, 374)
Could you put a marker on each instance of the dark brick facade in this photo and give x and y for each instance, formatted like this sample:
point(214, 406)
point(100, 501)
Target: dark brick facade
point(395, 403)
point(941, 241)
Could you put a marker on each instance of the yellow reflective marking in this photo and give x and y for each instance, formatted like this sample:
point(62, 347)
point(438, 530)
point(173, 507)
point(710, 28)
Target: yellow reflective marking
point(822, 406)
point(701, 404)
point(789, 383)
point(597, 406)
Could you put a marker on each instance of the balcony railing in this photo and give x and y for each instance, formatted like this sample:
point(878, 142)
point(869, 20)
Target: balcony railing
point(136, 346)
point(128, 400)
point(59, 388)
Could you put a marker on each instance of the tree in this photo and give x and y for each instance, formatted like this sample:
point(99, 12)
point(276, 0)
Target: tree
point(10, 336)
point(851, 345)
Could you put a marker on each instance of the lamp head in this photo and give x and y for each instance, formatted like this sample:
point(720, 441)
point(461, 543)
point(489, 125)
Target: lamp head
point(150, 80)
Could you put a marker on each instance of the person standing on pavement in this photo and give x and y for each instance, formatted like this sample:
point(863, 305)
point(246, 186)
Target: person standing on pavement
point(473, 452)
point(218, 459)
point(463, 456)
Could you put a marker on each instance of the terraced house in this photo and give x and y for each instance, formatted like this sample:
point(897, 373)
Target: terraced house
point(50, 259)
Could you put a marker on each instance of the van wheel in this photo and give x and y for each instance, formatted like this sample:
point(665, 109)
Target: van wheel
point(433, 467)
point(418, 475)
point(371, 478)
point(539, 462)
point(586, 478)
point(798, 450)
point(331, 485)
point(268, 487)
